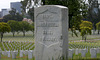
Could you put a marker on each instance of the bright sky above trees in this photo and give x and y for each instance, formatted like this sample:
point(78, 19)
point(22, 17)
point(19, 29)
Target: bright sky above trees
point(6, 3)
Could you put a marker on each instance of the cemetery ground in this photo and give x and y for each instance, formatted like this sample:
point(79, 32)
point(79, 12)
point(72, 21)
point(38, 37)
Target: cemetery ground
point(19, 42)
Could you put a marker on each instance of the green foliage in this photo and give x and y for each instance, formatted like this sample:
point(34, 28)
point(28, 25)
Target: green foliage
point(86, 28)
point(77, 11)
point(24, 27)
point(76, 21)
point(98, 26)
point(32, 27)
point(76, 8)
point(31, 13)
point(26, 6)
point(4, 27)
point(14, 26)
point(12, 16)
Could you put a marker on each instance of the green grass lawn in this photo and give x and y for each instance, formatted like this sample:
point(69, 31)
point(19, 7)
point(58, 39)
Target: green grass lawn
point(29, 37)
point(19, 37)
point(92, 41)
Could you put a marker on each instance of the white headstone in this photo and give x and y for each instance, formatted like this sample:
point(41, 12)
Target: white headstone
point(98, 50)
point(21, 53)
point(93, 53)
point(8, 53)
point(25, 52)
point(79, 50)
point(83, 52)
point(30, 54)
point(4, 53)
point(51, 32)
point(13, 54)
point(86, 50)
point(76, 51)
point(70, 53)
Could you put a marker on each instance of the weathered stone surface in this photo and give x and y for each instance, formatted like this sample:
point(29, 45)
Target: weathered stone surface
point(77, 51)
point(93, 52)
point(21, 53)
point(98, 50)
point(30, 54)
point(13, 54)
point(8, 52)
point(83, 52)
point(51, 32)
point(70, 53)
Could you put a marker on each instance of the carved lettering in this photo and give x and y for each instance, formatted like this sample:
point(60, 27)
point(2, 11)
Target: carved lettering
point(49, 24)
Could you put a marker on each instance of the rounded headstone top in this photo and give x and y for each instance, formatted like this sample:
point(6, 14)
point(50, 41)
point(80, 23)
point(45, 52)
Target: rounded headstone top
point(59, 6)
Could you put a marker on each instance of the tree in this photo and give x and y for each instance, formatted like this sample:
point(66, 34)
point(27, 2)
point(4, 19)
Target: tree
point(86, 28)
point(4, 27)
point(26, 6)
point(6, 18)
point(24, 27)
point(98, 26)
point(93, 13)
point(32, 28)
point(14, 26)
point(13, 15)
point(76, 21)
point(31, 13)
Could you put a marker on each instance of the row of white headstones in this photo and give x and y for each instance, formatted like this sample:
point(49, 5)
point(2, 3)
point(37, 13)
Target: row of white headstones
point(15, 45)
point(93, 52)
point(75, 45)
point(13, 49)
point(29, 53)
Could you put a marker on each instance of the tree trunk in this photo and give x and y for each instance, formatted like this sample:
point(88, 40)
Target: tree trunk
point(98, 31)
point(43, 2)
point(93, 29)
point(33, 34)
point(82, 37)
point(13, 34)
point(1, 36)
point(72, 32)
point(24, 33)
point(85, 39)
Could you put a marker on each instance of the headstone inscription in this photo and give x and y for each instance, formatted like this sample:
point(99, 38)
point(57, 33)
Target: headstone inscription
point(51, 32)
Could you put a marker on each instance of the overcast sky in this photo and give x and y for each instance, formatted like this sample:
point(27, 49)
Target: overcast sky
point(6, 3)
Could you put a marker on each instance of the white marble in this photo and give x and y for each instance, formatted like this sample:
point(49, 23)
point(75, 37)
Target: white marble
point(21, 53)
point(98, 50)
point(13, 54)
point(30, 53)
point(51, 32)
point(70, 53)
point(8, 52)
point(93, 52)
point(25, 52)
point(76, 51)
point(83, 52)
